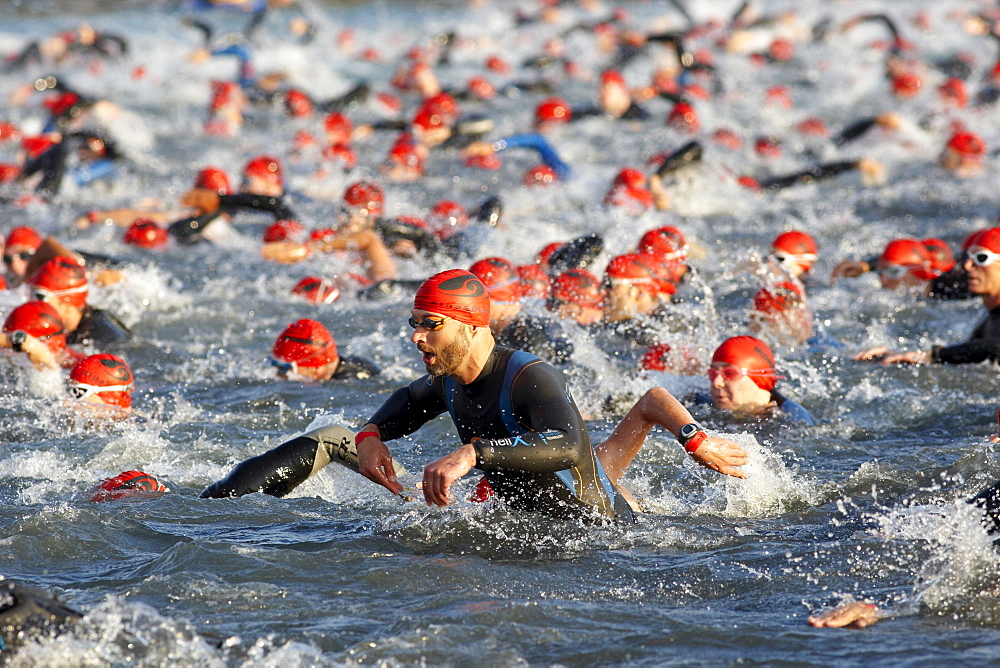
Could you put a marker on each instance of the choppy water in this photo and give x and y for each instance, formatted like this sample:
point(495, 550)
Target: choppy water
point(723, 571)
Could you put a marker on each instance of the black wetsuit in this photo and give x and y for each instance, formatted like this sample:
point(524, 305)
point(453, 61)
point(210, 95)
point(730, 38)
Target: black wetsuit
point(529, 437)
point(355, 367)
point(983, 344)
point(100, 328)
point(539, 336)
point(276, 206)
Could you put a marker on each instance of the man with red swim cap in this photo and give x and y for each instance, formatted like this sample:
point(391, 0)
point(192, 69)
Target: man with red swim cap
point(307, 349)
point(743, 379)
point(514, 415)
point(62, 283)
point(982, 263)
point(781, 314)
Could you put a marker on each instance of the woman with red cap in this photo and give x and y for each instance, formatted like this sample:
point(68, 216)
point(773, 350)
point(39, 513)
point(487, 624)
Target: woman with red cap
point(982, 263)
point(19, 247)
point(307, 349)
point(795, 251)
point(743, 380)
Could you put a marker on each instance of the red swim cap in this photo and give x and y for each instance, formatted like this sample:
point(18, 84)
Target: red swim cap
point(553, 110)
point(126, 484)
point(264, 167)
point(298, 104)
point(338, 128)
point(481, 88)
point(215, 179)
point(683, 117)
point(41, 321)
point(543, 255)
point(541, 175)
point(641, 269)
point(954, 90)
point(911, 254)
point(317, 290)
point(778, 298)
point(24, 236)
point(988, 239)
point(144, 233)
point(813, 126)
point(307, 343)
point(655, 357)
point(104, 370)
point(942, 259)
point(534, 281)
point(906, 84)
point(796, 247)
point(284, 230)
point(446, 218)
point(63, 276)
point(456, 294)
point(667, 242)
point(968, 144)
point(577, 286)
point(752, 354)
point(365, 197)
point(500, 278)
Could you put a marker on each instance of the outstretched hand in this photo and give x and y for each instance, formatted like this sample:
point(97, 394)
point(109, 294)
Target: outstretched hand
point(722, 455)
point(855, 614)
point(375, 463)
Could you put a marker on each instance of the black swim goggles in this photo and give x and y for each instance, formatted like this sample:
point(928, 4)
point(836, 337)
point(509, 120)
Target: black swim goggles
point(428, 323)
point(23, 255)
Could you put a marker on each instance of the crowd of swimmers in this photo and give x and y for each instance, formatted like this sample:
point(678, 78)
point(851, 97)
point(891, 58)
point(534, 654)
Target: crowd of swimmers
point(468, 319)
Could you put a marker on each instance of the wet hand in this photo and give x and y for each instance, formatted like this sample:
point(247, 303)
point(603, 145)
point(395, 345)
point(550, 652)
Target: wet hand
point(913, 357)
point(722, 455)
point(854, 614)
point(285, 252)
point(375, 463)
point(877, 352)
point(201, 199)
point(439, 476)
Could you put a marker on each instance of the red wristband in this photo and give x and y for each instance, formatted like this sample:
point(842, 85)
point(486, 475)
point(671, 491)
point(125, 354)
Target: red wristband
point(363, 435)
point(694, 442)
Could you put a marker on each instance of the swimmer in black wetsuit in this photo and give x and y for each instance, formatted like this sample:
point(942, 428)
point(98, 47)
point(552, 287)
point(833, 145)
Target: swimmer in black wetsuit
point(514, 415)
point(530, 439)
point(982, 263)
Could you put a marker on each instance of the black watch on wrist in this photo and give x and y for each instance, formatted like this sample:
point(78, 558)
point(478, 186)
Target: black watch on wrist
point(687, 432)
point(17, 341)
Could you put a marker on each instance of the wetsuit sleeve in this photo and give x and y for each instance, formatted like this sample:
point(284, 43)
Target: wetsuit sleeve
point(275, 205)
point(557, 439)
point(793, 411)
point(811, 175)
point(409, 408)
point(983, 344)
point(854, 130)
point(970, 352)
point(355, 367)
point(951, 285)
point(541, 145)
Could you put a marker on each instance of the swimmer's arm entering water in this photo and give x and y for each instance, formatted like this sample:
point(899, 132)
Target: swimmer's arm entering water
point(853, 614)
point(659, 407)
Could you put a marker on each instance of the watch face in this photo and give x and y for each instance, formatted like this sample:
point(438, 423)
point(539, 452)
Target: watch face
point(688, 430)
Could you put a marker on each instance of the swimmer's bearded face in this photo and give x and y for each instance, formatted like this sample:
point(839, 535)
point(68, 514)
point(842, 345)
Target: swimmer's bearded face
point(447, 358)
